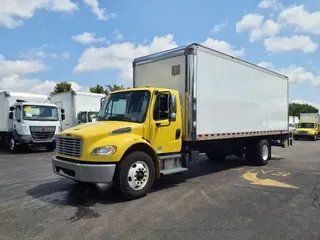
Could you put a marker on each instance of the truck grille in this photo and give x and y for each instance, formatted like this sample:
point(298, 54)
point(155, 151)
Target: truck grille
point(69, 146)
point(42, 133)
point(303, 132)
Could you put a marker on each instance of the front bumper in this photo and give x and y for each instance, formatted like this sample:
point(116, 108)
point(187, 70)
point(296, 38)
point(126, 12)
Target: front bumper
point(93, 173)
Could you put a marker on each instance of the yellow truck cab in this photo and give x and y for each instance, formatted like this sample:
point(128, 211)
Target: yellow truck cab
point(308, 126)
point(145, 132)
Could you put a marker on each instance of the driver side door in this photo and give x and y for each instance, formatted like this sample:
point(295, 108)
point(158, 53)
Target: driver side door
point(165, 135)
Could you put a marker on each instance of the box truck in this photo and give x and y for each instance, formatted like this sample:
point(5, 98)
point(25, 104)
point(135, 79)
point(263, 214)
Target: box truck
point(80, 107)
point(28, 120)
point(308, 126)
point(293, 123)
point(183, 102)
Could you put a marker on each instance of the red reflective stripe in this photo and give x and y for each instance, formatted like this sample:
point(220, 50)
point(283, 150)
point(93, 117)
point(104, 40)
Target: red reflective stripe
point(206, 135)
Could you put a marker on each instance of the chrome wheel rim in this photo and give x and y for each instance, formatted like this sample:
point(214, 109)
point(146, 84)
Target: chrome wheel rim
point(138, 175)
point(265, 152)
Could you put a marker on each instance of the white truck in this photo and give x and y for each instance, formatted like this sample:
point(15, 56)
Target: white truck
point(80, 107)
point(185, 101)
point(28, 120)
point(293, 123)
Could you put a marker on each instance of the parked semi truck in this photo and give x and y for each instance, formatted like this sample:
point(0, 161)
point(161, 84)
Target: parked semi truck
point(28, 120)
point(80, 107)
point(308, 126)
point(184, 102)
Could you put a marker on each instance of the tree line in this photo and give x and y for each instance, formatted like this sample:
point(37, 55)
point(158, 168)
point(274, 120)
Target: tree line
point(294, 108)
point(67, 87)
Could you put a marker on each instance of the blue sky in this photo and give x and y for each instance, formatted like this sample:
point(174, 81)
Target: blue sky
point(89, 42)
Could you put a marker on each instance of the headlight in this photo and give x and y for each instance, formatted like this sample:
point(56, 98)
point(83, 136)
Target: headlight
point(104, 151)
point(25, 137)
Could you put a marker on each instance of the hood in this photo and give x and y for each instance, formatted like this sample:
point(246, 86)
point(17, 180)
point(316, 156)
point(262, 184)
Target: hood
point(101, 129)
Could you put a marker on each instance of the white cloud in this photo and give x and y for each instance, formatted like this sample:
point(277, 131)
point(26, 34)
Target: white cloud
point(223, 46)
point(266, 65)
point(8, 67)
point(249, 21)
point(302, 20)
point(217, 28)
point(117, 35)
point(258, 28)
point(299, 75)
point(99, 12)
point(88, 38)
point(40, 53)
point(284, 44)
point(273, 4)
point(18, 83)
point(65, 55)
point(120, 56)
point(13, 12)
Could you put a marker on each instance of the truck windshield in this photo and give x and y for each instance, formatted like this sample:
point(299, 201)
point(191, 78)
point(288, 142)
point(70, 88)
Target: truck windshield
point(40, 113)
point(126, 106)
point(306, 125)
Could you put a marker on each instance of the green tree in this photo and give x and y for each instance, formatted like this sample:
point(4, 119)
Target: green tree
point(296, 108)
point(112, 88)
point(97, 89)
point(62, 87)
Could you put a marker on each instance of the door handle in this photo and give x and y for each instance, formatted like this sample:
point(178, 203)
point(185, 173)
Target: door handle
point(178, 133)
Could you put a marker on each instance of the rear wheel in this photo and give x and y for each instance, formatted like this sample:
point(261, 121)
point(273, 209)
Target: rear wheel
point(259, 153)
point(135, 175)
point(216, 156)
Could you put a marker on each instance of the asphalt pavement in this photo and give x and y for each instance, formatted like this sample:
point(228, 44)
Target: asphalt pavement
point(229, 200)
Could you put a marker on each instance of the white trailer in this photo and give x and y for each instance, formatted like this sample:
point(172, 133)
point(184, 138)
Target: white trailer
point(80, 107)
point(222, 97)
point(28, 120)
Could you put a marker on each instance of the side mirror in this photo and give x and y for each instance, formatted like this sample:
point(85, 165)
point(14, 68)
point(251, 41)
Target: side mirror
point(63, 116)
point(11, 115)
point(62, 110)
point(172, 117)
point(11, 109)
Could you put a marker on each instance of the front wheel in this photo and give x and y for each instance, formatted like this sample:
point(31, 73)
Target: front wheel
point(135, 175)
point(12, 145)
point(315, 138)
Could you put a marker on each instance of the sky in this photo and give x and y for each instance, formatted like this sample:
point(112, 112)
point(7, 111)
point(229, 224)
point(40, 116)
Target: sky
point(90, 42)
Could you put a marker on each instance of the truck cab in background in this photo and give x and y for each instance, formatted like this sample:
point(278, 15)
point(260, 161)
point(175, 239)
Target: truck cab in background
point(308, 126)
point(87, 116)
point(33, 124)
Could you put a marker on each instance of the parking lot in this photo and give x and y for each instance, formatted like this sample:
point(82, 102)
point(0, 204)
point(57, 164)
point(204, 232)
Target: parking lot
point(229, 200)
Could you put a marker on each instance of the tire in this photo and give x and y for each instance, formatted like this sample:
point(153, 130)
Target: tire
point(216, 156)
point(12, 145)
point(135, 175)
point(51, 147)
point(259, 154)
point(315, 138)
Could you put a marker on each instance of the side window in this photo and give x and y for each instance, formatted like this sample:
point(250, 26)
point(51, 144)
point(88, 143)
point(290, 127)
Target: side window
point(83, 117)
point(18, 113)
point(161, 110)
